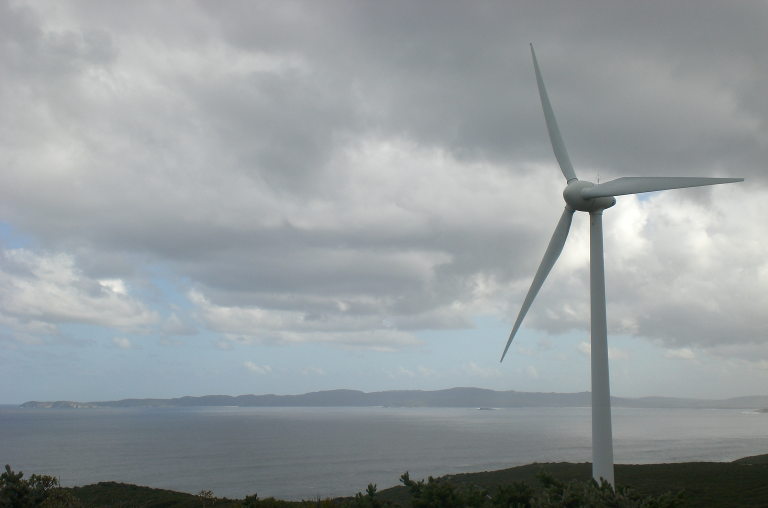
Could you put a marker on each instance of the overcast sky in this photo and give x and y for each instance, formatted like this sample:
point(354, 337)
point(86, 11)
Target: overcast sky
point(282, 197)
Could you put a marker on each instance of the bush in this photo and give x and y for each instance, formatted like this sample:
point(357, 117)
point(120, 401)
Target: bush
point(39, 490)
point(591, 494)
point(439, 493)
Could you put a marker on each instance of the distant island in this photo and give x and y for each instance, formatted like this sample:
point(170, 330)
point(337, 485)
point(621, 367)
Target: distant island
point(452, 397)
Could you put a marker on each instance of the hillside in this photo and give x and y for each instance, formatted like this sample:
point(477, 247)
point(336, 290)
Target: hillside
point(712, 484)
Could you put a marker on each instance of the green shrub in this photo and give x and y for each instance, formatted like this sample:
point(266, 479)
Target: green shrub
point(440, 493)
point(38, 490)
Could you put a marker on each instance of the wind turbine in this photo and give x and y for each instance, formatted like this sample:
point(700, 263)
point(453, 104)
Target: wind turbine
point(587, 197)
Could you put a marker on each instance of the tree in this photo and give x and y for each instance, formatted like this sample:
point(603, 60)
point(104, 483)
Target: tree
point(369, 499)
point(206, 497)
point(39, 490)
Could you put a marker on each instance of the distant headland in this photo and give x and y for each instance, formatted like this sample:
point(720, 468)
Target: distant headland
point(452, 397)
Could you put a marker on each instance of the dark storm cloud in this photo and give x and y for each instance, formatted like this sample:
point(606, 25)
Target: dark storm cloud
point(645, 88)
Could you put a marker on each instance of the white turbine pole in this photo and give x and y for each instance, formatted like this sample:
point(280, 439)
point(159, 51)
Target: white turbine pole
point(602, 436)
point(585, 196)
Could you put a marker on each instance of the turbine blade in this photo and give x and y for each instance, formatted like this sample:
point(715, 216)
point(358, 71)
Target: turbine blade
point(640, 184)
point(554, 132)
point(554, 249)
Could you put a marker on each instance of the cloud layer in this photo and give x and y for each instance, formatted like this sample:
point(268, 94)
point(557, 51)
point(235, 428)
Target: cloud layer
point(356, 172)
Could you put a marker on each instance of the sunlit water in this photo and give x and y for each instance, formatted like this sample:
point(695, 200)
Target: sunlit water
point(295, 453)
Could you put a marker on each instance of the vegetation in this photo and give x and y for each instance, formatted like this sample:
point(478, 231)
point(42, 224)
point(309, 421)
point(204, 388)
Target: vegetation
point(551, 493)
point(38, 490)
point(714, 484)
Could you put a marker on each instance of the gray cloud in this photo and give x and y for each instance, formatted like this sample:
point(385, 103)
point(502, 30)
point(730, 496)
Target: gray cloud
point(370, 166)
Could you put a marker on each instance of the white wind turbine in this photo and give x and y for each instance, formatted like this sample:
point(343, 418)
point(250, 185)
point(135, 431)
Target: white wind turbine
point(587, 197)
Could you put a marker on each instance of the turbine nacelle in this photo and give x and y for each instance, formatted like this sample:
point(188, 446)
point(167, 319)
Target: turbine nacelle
point(574, 198)
point(588, 197)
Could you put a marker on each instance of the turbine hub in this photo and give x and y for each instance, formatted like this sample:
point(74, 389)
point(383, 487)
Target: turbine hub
point(574, 199)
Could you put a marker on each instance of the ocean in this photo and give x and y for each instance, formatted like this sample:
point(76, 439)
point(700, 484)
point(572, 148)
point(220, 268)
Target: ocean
point(305, 453)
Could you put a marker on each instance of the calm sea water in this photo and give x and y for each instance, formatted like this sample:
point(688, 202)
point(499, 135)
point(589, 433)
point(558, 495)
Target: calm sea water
point(295, 453)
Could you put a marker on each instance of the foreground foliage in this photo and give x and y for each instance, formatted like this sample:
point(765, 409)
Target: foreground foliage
point(741, 483)
point(44, 491)
point(438, 493)
point(38, 490)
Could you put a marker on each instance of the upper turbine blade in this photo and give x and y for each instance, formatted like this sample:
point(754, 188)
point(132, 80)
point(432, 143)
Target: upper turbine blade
point(554, 132)
point(550, 256)
point(639, 184)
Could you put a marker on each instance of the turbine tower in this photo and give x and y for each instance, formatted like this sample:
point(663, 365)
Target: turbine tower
point(587, 197)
